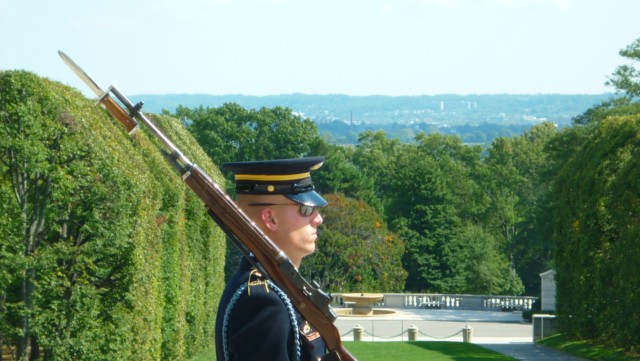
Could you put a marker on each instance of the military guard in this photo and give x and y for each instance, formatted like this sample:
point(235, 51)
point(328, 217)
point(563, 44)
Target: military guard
point(256, 320)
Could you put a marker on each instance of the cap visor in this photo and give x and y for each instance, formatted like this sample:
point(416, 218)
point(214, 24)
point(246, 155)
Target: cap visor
point(307, 198)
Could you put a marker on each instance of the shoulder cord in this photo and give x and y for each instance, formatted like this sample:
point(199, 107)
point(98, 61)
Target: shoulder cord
point(287, 303)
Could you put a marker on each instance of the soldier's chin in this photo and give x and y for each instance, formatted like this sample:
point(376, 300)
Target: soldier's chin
point(311, 249)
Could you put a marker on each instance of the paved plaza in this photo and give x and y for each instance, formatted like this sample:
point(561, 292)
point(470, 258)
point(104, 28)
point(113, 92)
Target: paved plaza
point(504, 332)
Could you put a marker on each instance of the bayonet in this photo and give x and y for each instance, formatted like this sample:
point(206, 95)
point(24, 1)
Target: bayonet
point(103, 97)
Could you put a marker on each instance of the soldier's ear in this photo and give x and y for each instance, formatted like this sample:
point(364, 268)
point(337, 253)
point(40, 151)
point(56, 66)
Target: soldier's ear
point(268, 218)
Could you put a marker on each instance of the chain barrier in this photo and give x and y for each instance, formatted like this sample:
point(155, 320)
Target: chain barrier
point(384, 337)
point(401, 334)
point(440, 338)
point(348, 333)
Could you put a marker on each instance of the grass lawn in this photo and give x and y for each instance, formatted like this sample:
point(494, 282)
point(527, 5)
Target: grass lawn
point(459, 351)
point(422, 350)
point(587, 350)
point(400, 351)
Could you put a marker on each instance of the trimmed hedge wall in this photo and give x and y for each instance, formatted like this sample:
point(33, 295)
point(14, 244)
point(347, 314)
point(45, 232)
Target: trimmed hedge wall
point(104, 253)
point(597, 213)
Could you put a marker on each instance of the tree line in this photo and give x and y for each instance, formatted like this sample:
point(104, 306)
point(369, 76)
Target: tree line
point(339, 132)
point(423, 202)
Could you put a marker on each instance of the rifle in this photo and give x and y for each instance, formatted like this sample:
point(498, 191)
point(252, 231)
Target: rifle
point(308, 299)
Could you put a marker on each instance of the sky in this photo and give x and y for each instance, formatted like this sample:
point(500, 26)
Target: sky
point(353, 47)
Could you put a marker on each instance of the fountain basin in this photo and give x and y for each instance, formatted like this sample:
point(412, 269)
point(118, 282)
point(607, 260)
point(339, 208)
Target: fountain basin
point(362, 303)
point(348, 312)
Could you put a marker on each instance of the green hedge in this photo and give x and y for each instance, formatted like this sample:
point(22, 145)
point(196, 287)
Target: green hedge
point(104, 253)
point(597, 196)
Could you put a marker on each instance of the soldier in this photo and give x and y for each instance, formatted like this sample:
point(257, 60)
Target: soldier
point(256, 320)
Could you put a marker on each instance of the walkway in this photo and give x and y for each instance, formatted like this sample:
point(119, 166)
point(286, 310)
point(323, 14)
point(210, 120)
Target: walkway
point(530, 352)
point(503, 332)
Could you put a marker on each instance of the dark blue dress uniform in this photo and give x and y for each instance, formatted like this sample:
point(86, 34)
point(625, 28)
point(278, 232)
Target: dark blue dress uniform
point(256, 319)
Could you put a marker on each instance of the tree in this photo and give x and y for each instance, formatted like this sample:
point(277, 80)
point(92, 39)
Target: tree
point(613, 107)
point(516, 187)
point(232, 133)
point(626, 78)
point(483, 269)
point(426, 184)
point(355, 250)
point(32, 148)
point(375, 155)
point(10, 258)
point(340, 174)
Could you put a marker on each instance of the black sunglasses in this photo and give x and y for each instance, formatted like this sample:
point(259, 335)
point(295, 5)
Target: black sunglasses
point(305, 210)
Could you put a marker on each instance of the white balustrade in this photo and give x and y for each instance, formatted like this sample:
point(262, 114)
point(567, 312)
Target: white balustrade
point(450, 301)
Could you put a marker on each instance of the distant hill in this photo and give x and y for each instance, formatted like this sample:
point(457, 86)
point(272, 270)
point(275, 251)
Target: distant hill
point(476, 118)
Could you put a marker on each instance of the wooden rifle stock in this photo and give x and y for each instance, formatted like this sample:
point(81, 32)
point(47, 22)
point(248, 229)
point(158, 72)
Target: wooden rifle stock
point(117, 112)
point(308, 299)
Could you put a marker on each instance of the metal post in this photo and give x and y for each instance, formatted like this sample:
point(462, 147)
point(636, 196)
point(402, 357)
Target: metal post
point(413, 333)
point(467, 333)
point(357, 333)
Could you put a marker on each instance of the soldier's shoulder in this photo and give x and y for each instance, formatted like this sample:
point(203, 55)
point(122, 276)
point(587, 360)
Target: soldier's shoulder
point(258, 298)
point(255, 285)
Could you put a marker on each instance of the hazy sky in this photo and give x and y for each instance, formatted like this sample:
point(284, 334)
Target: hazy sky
point(355, 47)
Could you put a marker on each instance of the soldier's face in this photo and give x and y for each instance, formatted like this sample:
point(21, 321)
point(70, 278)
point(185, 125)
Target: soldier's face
point(296, 234)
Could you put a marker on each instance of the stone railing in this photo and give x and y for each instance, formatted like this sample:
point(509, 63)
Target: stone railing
point(450, 301)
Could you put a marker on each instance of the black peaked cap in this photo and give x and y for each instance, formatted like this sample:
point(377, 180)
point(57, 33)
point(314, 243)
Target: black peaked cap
point(289, 177)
